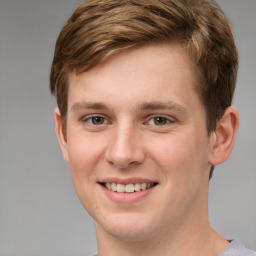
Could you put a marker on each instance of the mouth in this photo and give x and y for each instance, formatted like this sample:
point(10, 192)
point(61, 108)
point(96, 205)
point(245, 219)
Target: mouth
point(128, 188)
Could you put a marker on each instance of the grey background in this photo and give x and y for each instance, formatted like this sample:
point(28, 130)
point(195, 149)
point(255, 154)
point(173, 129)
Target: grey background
point(40, 214)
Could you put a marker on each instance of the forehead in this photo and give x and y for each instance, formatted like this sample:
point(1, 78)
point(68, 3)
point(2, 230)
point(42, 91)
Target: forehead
point(137, 71)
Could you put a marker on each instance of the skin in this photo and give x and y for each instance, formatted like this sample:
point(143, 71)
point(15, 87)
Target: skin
point(129, 119)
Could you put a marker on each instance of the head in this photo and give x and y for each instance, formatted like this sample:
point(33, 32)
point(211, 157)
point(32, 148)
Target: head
point(115, 130)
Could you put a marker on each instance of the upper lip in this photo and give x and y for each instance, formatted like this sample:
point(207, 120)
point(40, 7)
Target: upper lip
point(127, 180)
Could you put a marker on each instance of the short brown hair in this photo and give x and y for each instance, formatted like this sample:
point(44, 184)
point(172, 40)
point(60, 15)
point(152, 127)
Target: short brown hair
point(99, 29)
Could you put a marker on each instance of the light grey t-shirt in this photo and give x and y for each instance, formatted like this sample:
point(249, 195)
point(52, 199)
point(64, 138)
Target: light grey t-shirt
point(235, 248)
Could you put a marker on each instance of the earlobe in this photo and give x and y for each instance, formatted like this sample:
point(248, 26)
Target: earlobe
point(223, 137)
point(61, 135)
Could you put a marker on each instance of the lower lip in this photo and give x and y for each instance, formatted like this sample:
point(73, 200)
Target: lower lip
point(126, 198)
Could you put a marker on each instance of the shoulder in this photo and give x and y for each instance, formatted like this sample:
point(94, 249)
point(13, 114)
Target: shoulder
point(236, 248)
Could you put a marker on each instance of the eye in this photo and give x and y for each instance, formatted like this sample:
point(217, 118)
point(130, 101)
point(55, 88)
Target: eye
point(159, 120)
point(96, 120)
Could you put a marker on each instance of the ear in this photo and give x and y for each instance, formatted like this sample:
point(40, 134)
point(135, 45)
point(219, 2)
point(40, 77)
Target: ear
point(61, 135)
point(223, 137)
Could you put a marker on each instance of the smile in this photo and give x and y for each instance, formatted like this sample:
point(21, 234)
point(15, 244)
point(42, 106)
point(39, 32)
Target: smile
point(128, 188)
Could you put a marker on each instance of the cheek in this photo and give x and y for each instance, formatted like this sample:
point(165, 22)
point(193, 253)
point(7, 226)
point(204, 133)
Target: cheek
point(173, 151)
point(84, 153)
point(181, 158)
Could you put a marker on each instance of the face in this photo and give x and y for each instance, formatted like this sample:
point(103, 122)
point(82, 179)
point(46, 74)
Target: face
point(137, 144)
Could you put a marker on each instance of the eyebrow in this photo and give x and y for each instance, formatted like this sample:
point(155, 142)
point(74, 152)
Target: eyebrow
point(156, 105)
point(88, 105)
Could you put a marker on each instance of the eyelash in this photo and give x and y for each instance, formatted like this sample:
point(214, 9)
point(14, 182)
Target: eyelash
point(154, 119)
point(89, 120)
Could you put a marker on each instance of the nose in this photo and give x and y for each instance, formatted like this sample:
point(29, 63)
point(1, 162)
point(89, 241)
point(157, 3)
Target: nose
point(125, 148)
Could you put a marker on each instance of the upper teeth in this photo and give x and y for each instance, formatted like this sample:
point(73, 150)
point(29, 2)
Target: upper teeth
point(128, 188)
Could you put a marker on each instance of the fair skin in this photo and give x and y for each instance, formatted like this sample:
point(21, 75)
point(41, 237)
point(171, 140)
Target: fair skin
point(132, 120)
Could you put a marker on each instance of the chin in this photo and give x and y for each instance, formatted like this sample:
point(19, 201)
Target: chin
point(130, 235)
point(132, 229)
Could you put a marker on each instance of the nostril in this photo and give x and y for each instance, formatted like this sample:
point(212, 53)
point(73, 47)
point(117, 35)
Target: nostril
point(122, 162)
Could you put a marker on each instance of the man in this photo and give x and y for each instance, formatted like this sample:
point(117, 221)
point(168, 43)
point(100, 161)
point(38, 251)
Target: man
point(144, 91)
